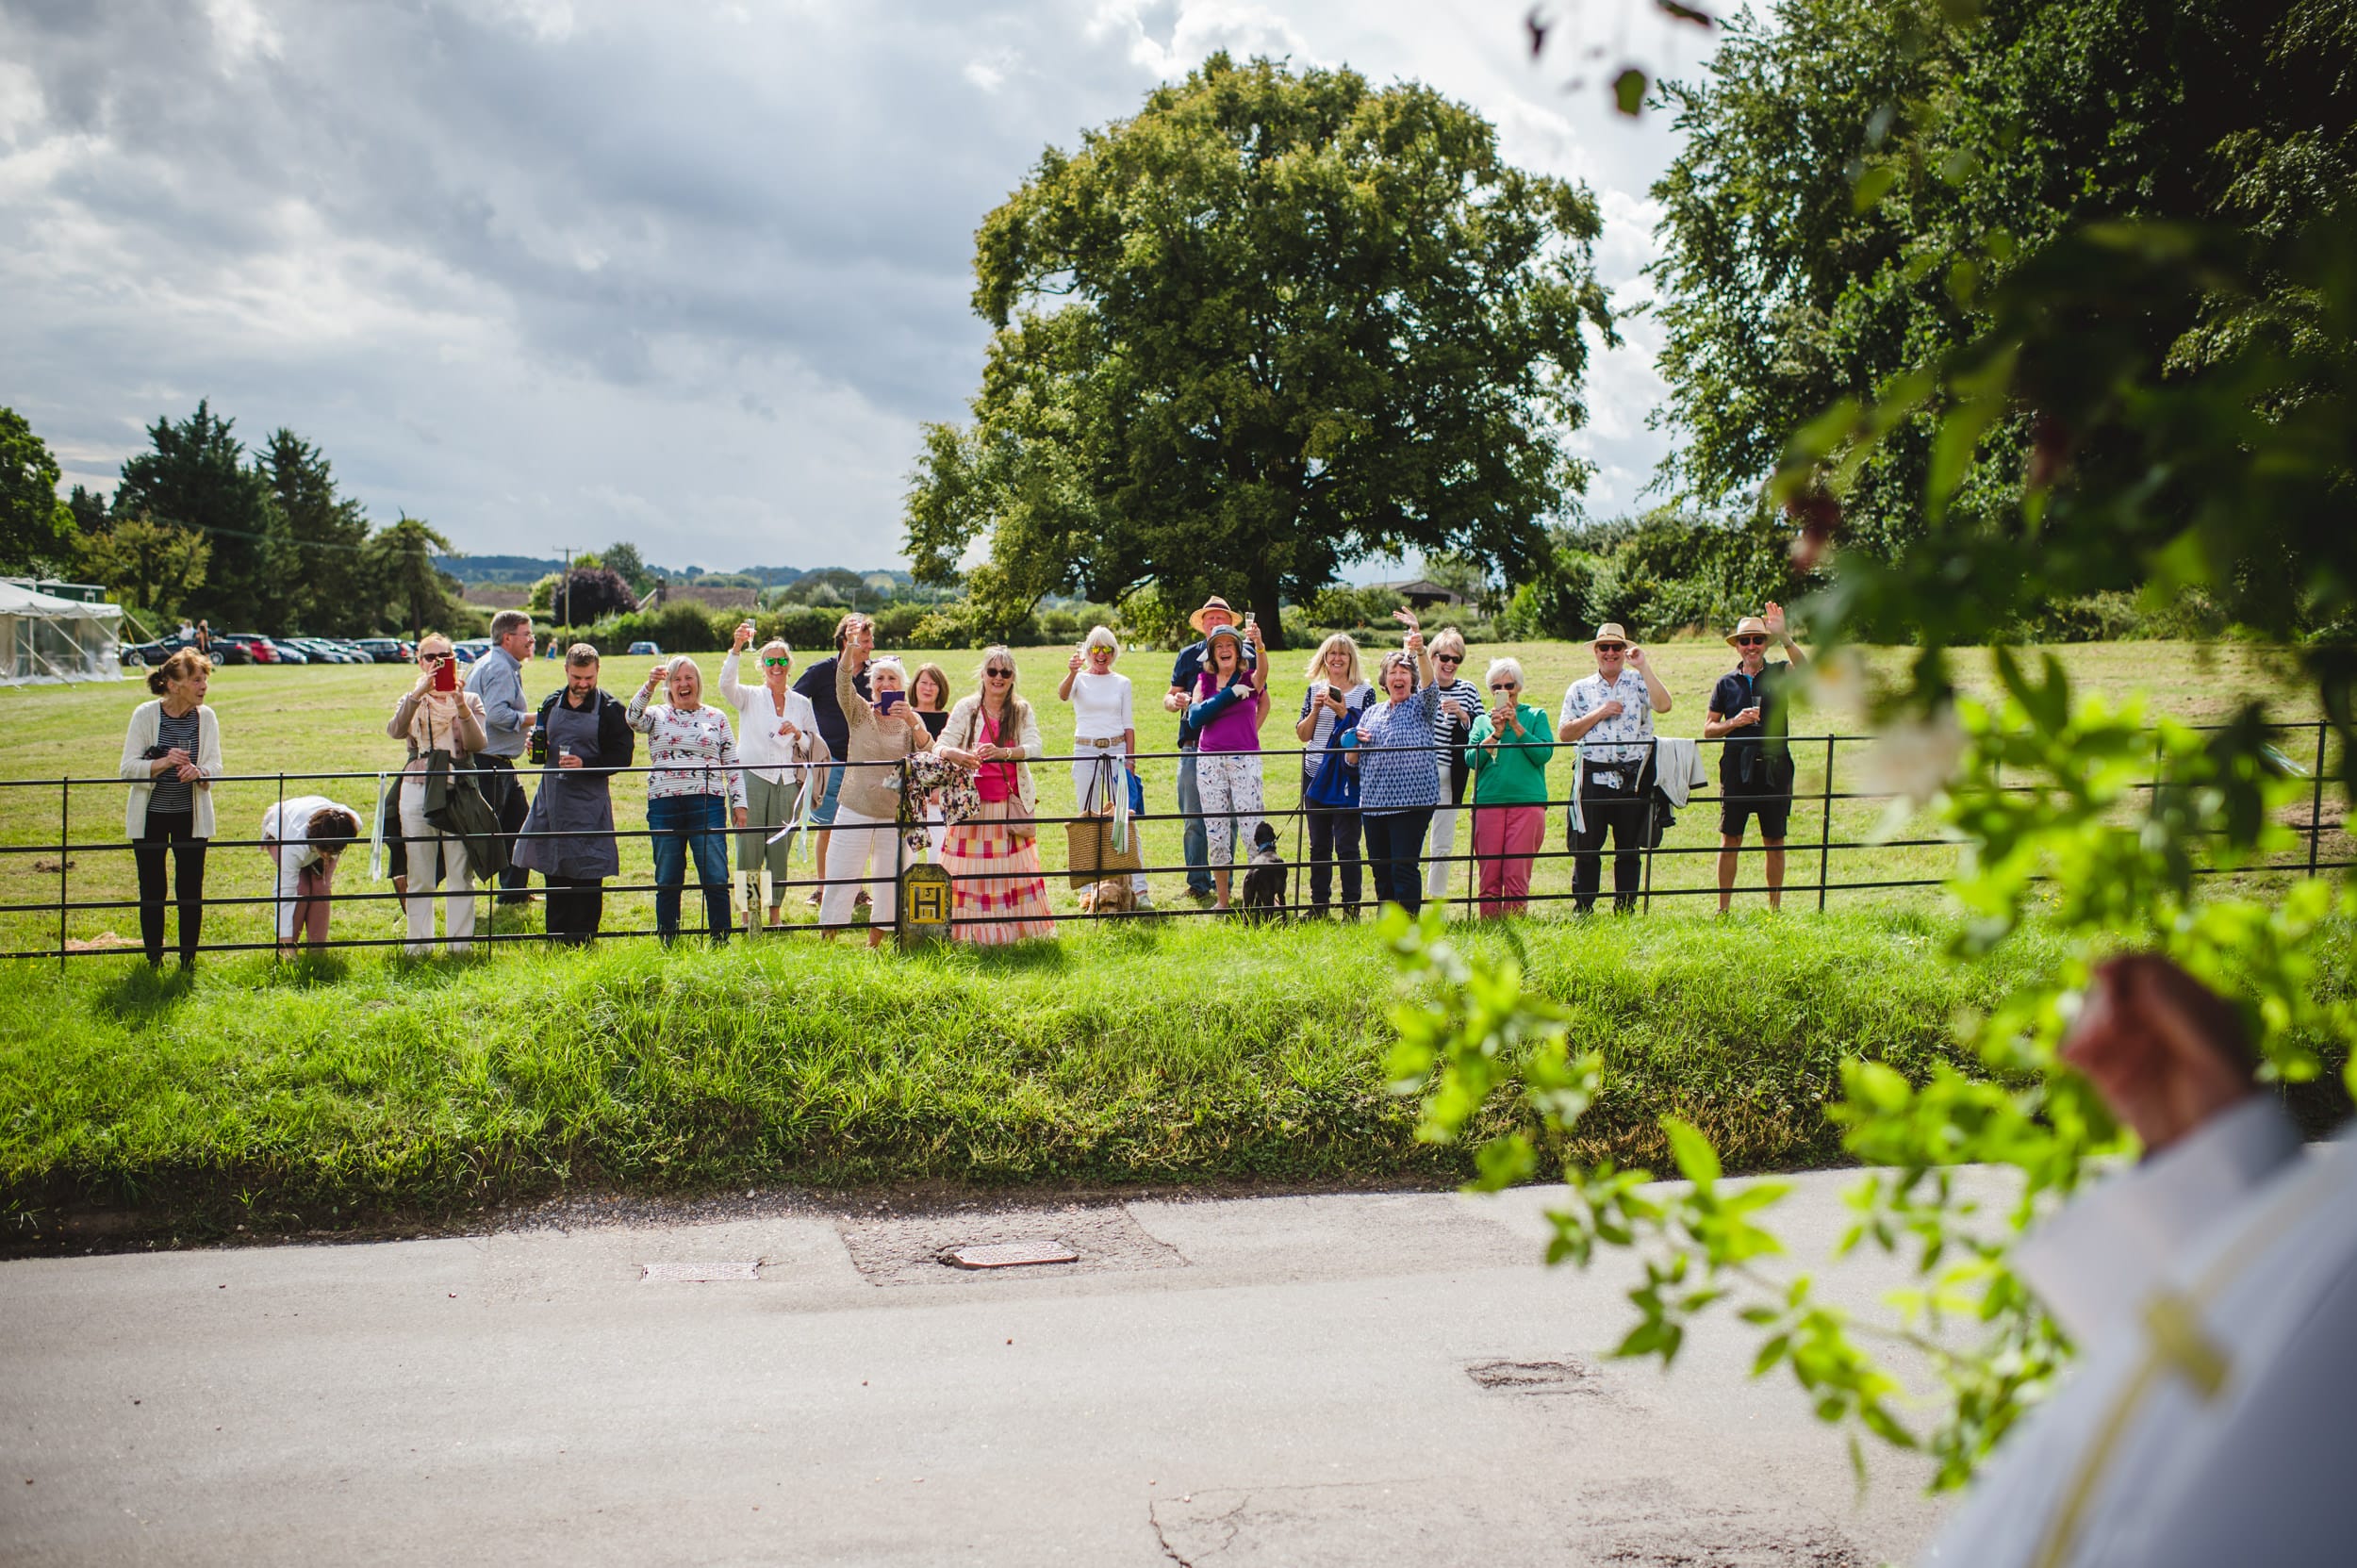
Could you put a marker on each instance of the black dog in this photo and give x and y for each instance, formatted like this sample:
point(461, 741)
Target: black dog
point(1264, 879)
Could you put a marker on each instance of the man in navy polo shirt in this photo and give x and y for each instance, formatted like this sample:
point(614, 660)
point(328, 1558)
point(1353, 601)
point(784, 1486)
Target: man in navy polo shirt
point(1755, 765)
point(1182, 674)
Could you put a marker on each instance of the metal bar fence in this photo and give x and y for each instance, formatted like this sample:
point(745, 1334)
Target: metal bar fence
point(1648, 850)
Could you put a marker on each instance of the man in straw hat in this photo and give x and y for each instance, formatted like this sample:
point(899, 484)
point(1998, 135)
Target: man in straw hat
point(1213, 614)
point(1610, 714)
point(1754, 765)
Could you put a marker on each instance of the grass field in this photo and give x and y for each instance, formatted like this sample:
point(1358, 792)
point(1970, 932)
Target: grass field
point(276, 1096)
point(322, 721)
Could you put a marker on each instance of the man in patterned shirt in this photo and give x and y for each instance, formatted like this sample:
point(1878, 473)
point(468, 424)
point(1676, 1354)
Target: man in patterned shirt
point(1610, 715)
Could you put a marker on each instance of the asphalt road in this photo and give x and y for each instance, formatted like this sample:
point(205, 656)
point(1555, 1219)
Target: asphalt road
point(1353, 1380)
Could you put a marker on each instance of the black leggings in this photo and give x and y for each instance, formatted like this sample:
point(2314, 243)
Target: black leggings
point(1334, 834)
point(576, 907)
point(175, 830)
point(1395, 847)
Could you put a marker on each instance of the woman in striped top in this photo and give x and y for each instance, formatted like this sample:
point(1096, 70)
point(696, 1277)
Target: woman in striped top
point(694, 780)
point(172, 754)
point(1449, 738)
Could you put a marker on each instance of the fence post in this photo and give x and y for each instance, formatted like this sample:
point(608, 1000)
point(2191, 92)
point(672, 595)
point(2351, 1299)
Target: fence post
point(2315, 802)
point(1825, 830)
point(65, 855)
point(1645, 844)
point(277, 887)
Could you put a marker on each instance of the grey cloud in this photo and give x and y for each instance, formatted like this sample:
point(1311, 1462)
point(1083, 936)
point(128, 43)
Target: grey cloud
point(555, 271)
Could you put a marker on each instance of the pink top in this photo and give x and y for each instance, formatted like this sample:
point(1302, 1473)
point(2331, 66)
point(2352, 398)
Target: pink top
point(993, 781)
point(1238, 729)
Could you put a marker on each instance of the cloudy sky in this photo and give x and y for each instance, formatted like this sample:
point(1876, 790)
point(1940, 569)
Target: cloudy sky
point(691, 273)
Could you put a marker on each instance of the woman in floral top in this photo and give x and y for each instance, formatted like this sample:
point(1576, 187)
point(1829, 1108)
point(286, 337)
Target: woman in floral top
point(694, 753)
point(1399, 785)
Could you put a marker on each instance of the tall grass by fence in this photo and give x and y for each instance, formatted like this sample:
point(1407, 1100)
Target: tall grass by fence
point(1842, 846)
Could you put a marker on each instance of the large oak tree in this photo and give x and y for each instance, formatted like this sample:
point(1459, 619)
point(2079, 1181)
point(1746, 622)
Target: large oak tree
point(1272, 324)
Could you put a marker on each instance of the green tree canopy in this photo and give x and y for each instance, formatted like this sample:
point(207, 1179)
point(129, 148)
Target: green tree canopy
point(1857, 175)
point(195, 477)
point(421, 596)
point(328, 586)
point(624, 558)
point(152, 565)
point(36, 528)
point(1272, 324)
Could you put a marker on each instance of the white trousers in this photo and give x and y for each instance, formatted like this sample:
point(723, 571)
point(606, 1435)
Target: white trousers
point(432, 854)
point(860, 847)
point(1440, 844)
point(1089, 774)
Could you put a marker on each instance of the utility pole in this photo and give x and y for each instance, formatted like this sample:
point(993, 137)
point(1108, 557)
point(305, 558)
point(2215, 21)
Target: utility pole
point(564, 587)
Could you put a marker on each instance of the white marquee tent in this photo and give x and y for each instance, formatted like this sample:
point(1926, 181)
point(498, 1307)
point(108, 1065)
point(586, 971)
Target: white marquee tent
point(45, 639)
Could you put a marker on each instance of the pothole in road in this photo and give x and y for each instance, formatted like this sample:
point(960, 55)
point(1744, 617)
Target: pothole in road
point(1656, 1527)
point(1566, 1375)
point(1096, 1238)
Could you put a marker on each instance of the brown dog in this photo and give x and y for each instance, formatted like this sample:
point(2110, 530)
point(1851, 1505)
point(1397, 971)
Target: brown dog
point(1110, 896)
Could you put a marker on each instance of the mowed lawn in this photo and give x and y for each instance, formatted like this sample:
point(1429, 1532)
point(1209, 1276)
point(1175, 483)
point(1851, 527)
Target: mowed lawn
point(298, 728)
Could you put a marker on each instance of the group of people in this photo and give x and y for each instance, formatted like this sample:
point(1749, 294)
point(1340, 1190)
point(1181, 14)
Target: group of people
point(1392, 763)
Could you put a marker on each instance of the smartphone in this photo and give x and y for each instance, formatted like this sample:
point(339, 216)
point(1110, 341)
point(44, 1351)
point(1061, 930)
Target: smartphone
point(446, 675)
point(889, 700)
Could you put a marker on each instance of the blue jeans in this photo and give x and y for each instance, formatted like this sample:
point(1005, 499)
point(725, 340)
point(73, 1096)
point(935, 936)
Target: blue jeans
point(1198, 842)
point(822, 814)
point(680, 823)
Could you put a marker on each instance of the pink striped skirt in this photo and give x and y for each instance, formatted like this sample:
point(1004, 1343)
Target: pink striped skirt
point(998, 892)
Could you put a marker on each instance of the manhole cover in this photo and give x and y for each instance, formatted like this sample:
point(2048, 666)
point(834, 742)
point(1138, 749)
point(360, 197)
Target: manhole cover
point(697, 1274)
point(1010, 1254)
point(1559, 1377)
point(912, 1249)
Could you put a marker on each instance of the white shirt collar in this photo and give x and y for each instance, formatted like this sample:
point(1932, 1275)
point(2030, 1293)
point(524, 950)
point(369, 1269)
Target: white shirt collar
point(2104, 1254)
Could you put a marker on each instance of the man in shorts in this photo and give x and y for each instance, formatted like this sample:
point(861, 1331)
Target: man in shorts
point(1747, 711)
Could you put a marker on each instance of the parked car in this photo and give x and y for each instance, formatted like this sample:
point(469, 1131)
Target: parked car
point(647, 647)
point(472, 649)
point(325, 650)
point(163, 647)
point(257, 648)
point(386, 650)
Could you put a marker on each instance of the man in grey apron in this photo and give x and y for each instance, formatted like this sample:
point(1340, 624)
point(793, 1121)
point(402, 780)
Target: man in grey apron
point(569, 835)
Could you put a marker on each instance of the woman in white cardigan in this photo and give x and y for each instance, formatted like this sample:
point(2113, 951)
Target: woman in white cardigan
point(996, 890)
point(171, 756)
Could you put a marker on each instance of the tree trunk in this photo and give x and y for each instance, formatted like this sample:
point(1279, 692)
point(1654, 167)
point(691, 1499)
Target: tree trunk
point(1266, 609)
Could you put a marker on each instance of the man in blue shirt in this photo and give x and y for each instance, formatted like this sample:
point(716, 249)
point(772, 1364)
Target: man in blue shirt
point(1755, 765)
point(1182, 677)
point(498, 679)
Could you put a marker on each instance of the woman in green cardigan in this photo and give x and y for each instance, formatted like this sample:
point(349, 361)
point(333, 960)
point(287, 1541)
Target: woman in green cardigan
point(1508, 750)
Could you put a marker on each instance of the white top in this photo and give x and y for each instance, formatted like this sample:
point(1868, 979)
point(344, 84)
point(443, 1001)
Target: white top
point(759, 745)
point(2212, 1290)
point(1100, 706)
point(145, 721)
point(288, 826)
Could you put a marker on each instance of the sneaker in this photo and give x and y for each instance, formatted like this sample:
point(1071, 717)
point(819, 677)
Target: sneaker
point(1144, 903)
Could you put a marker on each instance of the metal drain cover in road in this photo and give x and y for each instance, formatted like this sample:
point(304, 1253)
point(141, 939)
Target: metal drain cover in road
point(1010, 1254)
point(698, 1274)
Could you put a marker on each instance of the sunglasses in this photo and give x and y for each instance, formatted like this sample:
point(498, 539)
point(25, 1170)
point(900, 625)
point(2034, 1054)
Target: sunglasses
point(1505, 685)
point(999, 674)
point(775, 663)
point(1612, 647)
point(1448, 658)
point(1751, 642)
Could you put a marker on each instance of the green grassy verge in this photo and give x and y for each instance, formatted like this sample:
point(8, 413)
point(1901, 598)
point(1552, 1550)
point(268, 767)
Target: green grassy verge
point(274, 1096)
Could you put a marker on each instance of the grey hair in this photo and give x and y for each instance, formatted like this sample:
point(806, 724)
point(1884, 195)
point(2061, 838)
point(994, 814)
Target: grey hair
point(1505, 667)
point(1407, 661)
point(893, 665)
point(680, 662)
point(777, 645)
point(1102, 636)
point(507, 624)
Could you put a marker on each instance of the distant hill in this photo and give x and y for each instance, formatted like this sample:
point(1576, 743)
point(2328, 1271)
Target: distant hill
point(530, 569)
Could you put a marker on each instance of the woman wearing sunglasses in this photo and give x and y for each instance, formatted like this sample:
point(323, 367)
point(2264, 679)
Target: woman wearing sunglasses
point(435, 715)
point(778, 741)
point(998, 892)
point(1510, 748)
point(1756, 763)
